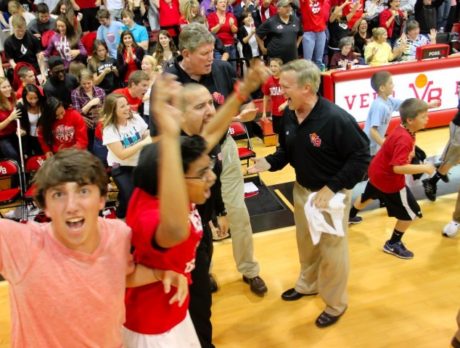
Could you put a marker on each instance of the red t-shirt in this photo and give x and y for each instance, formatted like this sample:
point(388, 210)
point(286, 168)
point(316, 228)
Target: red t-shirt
point(11, 128)
point(225, 32)
point(272, 88)
point(131, 65)
point(358, 14)
point(133, 102)
point(70, 131)
point(397, 150)
point(147, 307)
point(169, 15)
point(314, 14)
point(86, 3)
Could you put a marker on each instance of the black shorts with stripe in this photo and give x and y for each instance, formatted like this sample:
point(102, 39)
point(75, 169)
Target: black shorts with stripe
point(401, 205)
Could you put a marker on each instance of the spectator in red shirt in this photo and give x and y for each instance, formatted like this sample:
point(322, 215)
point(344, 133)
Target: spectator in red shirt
point(138, 84)
point(169, 16)
point(272, 91)
point(60, 128)
point(392, 19)
point(314, 14)
point(224, 24)
point(8, 116)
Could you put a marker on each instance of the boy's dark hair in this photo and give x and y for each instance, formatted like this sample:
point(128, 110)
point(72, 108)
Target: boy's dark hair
point(379, 79)
point(69, 165)
point(43, 8)
point(146, 173)
point(410, 108)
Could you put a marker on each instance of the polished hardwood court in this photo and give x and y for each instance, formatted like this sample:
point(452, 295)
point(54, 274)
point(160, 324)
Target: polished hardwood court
point(392, 302)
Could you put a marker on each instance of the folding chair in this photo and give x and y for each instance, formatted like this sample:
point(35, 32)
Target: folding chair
point(33, 164)
point(239, 132)
point(10, 187)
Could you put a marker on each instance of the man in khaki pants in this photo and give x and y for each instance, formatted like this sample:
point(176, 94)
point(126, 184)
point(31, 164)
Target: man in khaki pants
point(330, 154)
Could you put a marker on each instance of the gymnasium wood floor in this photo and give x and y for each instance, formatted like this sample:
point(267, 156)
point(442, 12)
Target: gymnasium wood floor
point(393, 302)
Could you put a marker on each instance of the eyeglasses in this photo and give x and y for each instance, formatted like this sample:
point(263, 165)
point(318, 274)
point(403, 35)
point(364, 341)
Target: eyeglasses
point(204, 176)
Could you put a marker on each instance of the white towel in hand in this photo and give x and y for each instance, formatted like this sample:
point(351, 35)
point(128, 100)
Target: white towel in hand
point(316, 221)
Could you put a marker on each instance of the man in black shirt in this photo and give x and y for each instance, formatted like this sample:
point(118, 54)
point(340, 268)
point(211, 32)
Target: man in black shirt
point(59, 84)
point(330, 154)
point(281, 33)
point(22, 46)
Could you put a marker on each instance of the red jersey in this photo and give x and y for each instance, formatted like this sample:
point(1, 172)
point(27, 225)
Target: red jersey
point(314, 15)
point(147, 307)
point(70, 131)
point(132, 101)
point(272, 88)
point(397, 150)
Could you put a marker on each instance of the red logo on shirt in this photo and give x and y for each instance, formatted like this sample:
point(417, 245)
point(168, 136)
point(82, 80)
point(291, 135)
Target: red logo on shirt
point(315, 139)
point(218, 98)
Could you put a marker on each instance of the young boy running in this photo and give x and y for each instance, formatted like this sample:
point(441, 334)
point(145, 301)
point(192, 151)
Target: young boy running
point(386, 175)
point(67, 278)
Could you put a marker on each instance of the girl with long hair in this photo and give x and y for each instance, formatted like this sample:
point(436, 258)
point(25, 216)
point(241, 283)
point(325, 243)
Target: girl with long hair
point(165, 50)
point(32, 108)
point(66, 42)
point(129, 56)
point(60, 128)
point(103, 67)
point(124, 134)
point(65, 8)
point(8, 116)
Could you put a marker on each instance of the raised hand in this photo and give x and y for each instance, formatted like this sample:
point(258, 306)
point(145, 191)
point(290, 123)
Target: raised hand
point(254, 77)
point(166, 110)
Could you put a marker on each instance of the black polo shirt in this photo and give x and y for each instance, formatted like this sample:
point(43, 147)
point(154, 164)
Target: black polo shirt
point(327, 148)
point(281, 38)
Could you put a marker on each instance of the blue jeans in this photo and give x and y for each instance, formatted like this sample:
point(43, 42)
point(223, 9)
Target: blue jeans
point(443, 15)
point(313, 46)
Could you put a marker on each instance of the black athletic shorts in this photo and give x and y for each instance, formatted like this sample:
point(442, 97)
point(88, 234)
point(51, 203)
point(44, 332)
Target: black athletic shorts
point(401, 205)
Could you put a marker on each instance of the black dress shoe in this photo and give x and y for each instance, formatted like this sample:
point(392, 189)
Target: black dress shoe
point(256, 284)
point(293, 295)
point(325, 319)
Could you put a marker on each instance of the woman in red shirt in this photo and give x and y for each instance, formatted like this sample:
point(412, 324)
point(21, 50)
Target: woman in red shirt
point(129, 57)
point(60, 128)
point(392, 19)
point(225, 26)
point(8, 116)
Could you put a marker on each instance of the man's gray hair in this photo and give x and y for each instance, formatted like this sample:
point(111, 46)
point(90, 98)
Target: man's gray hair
point(194, 35)
point(307, 72)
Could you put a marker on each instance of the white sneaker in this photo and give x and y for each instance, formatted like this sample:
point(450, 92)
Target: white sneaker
point(451, 229)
